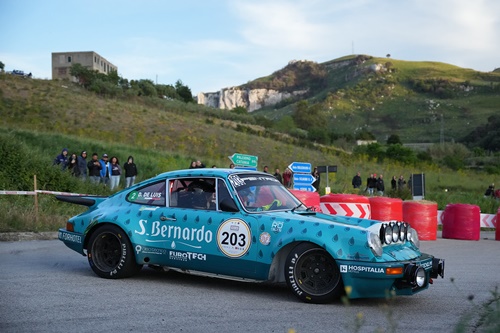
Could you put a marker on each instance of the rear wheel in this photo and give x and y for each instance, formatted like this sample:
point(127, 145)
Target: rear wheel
point(110, 253)
point(312, 274)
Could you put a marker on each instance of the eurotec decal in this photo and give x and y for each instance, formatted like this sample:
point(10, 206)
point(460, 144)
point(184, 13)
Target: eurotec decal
point(186, 256)
point(69, 237)
point(361, 269)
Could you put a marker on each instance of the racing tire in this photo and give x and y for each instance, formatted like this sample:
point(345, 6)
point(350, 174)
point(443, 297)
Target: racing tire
point(110, 253)
point(312, 274)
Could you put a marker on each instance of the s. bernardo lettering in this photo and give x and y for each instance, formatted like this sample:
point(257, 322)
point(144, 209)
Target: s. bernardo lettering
point(157, 229)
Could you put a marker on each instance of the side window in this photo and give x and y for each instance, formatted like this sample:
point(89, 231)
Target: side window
point(152, 194)
point(222, 191)
point(192, 193)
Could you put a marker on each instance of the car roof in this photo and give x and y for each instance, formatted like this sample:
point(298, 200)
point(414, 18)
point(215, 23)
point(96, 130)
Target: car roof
point(208, 172)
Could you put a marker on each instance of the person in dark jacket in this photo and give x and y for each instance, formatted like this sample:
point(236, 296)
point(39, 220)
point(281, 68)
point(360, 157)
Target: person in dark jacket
point(130, 172)
point(380, 185)
point(394, 183)
point(356, 180)
point(317, 179)
point(73, 165)
point(82, 165)
point(62, 159)
point(94, 167)
point(371, 183)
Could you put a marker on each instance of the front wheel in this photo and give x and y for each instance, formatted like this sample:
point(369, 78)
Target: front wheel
point(312, 274)
point(110, 253)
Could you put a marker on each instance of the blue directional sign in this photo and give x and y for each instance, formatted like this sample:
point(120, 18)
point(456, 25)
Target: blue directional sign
point(300, 167)
point(303, 182)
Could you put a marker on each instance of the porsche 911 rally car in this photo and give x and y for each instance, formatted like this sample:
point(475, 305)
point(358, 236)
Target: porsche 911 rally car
point(245, 225)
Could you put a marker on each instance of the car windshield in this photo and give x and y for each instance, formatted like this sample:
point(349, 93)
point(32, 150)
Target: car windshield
point(257, 193)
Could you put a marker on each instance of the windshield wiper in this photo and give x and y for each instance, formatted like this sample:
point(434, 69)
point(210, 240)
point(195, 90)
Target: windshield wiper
point(294, 208)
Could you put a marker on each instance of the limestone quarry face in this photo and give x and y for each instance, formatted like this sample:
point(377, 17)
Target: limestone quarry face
point(251, 99)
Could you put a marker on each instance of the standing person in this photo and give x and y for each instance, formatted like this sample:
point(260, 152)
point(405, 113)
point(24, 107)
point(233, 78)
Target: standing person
point(130, 172)
point(105, 169)
point(62, 159)
point(317, 179)
point(115, 173)
point(380, 185)
point(94, 167)
point(371, 183)
point(401, 182)
point(231, 166)
point(277, 175)
point(393, 183)
point(356, 180)
point(199, 164)
point(266, 169)
point(82, 165)
point(192, 165)
point(73, 165)
point(287, 178)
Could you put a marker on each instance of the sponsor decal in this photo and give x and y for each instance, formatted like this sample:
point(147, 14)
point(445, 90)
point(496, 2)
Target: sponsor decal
point(235, 180)
point(171, 232)
point(143, 208)
point(361, 269)
point(149, 195)
point(276, 227)
point(234, 242)
point(186, 256)
point(265, 238)
point(69, 237)
point(426, 265)
point(149, 250)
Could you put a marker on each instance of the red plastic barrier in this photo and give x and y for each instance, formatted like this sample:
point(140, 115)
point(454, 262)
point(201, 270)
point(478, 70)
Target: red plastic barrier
point(422, 216)
point(497, 225)
point(462, 221)
point(310, 199)
point(386, 209)
point(346, 205)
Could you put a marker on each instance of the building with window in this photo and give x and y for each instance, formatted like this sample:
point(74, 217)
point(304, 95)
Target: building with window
point(62, 61)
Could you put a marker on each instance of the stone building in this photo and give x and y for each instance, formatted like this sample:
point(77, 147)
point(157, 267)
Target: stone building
point(62, 61)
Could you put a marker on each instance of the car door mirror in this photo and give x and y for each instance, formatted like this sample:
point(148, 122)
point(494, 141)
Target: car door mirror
point(228, 205)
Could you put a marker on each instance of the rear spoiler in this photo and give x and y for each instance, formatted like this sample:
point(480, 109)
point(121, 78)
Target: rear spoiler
point(85, 201)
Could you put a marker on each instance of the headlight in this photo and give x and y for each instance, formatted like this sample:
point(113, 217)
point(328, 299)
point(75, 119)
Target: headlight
point(413, 235)
point(395, 232)
point(375, 243)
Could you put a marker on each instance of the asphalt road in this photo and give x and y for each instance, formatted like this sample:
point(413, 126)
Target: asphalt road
point(46, 287)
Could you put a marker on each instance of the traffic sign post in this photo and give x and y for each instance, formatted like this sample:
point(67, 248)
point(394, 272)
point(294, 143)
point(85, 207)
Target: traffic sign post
point(327, 169)
point(243, 160)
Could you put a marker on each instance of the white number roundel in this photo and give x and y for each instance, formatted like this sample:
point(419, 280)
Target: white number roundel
point(234, 238)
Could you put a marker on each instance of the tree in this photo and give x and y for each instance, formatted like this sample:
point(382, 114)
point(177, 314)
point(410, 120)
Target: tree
point(394, 139)
point(309, 117)
point(2, 66)
point(184, 92)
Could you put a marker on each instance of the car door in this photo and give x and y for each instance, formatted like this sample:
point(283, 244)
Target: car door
point(198, 235)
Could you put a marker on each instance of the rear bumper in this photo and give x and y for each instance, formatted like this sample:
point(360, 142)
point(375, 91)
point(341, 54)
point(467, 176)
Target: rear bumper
point(72, 240)
point(377, 280)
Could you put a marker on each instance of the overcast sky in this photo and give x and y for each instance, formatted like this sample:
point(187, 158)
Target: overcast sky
point(213, 44)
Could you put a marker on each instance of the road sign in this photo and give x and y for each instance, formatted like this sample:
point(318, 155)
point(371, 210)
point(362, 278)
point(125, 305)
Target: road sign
point(324, 168)
point(244, 160)
point(300, 167)
point(303, 182)
point(308, 188)
point(304, 178)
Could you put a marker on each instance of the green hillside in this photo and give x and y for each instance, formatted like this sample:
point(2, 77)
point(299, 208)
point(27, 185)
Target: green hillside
point(418, 101)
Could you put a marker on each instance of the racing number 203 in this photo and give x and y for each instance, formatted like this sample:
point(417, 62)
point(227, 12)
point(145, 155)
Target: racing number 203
point(232, 238)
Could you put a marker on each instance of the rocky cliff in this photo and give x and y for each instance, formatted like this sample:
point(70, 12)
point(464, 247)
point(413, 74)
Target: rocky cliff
point(251, 99)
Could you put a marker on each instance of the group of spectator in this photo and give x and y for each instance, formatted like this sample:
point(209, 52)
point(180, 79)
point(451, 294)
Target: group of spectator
point(492, 193)
point(98, 171)
point(376, 184)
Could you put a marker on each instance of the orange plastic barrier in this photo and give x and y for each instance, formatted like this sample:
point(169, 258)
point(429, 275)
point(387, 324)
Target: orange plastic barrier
point(346, 205)
point(497, 225)
point(310, 199)
point(386, 209)
point(462, 221)
point(422, 216)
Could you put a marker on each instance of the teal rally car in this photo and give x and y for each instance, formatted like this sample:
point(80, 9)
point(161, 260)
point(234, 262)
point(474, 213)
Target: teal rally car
point(245, 225)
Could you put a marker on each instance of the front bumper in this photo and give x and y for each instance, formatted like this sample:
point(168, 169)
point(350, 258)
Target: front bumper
point(378, 280)
point(73, 240)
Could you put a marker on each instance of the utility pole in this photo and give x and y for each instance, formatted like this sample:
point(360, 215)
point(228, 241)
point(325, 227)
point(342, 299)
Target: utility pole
point(441, 133)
